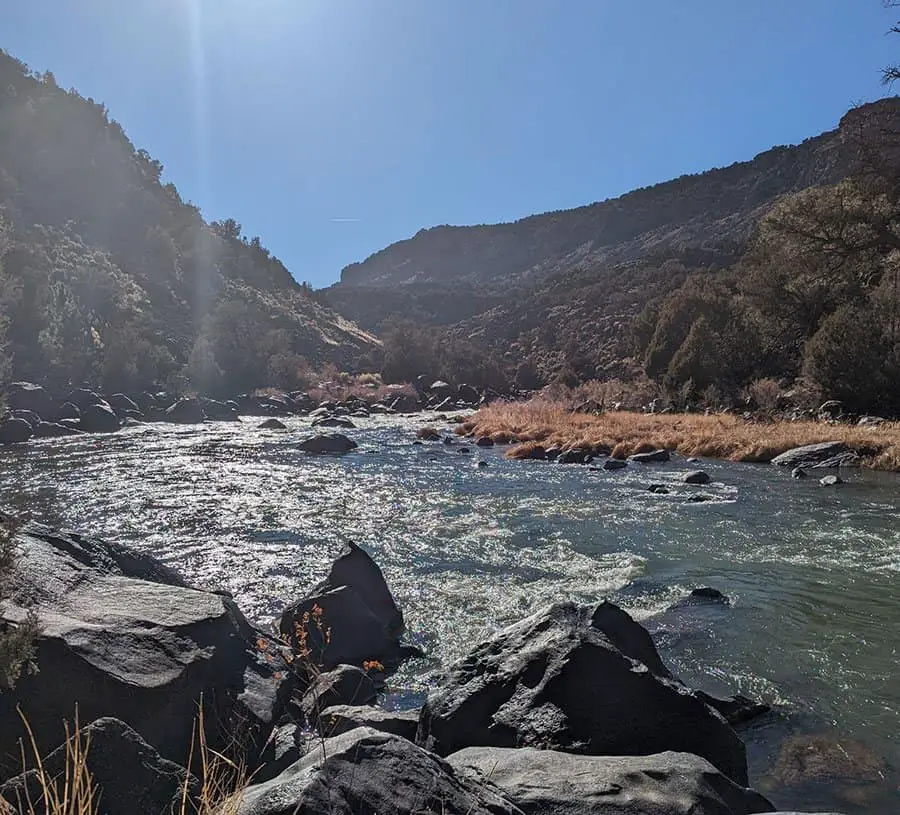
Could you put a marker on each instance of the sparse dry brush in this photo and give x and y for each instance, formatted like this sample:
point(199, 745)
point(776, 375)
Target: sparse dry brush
point(724, 436)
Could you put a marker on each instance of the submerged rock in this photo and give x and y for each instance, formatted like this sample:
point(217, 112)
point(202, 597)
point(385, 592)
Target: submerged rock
point(123, 636)
point(709, 594)
point(659, 489)
point(826, 454)
point(365, 771)
point(541, 782)
point(576, 681)
point(273, 424)
point(327, 443)
point(334, 421)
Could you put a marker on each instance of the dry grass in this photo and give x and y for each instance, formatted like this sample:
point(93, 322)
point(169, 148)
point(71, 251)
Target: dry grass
point(548, 423)
point(75, 792)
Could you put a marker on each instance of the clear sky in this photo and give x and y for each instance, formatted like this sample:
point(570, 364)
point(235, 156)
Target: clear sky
point(331, 128)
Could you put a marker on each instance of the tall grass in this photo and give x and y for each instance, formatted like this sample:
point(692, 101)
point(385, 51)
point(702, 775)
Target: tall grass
point(548, 423)
point(74, 791)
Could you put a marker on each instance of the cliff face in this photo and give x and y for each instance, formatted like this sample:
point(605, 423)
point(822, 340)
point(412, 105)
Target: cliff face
point(570, 282)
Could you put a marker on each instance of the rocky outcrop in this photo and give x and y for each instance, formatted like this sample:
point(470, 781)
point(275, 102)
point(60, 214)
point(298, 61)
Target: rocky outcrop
point(365, 771)
point(825, 455)
point(130, 775)
point(327, 443)
point(125, 637)
point(548, 781)
point(574, 680)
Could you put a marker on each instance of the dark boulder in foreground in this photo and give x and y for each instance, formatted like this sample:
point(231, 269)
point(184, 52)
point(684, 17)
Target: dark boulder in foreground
point(328, 443)
point(123, 636)
point(540, 782)
point(365, 771)
point(15, 431)
point(350, 617)
point(131, 775)
point(580, 681)
point(825, 455)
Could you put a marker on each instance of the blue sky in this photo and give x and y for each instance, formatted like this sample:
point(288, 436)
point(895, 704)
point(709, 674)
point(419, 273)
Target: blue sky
point(331, 128)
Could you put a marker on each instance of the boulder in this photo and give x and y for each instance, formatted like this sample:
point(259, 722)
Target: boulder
point(185, 411)
point(659, 489)
point(343, 685)
point(831, 480)
point(334, 421)
point(339, 719)
point(51, 430)
point(28, 396)
point(273, 424)
point(577, 681)
point(327, 443)
point(541, 782)
point(819, 758)
point(468, 394)
point(707, 594)
point(15, 431)
point(440, 390)
point(736, 709)
point(798, 472)
point(28, 416)
point(870, 421)
point(98, 419)
point(217, 411)
point(484, 441)
point(355, 607)
point(122, 404)
point(831, 409)
point(83, 398)
point(574, 456)
point(123, 636)
point(365, 771)
point(696, 477)
point(64, 411)
point(406, 403)
point(700, 498)
point(614, 464)
point(812, 456)
point(654, 457)
point(131, 776)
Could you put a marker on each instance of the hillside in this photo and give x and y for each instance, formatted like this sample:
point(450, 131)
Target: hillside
point(110, 278)
point(715, 212)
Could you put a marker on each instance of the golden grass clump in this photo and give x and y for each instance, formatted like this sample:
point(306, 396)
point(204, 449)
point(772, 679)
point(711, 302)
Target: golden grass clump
point(428, 433)
point(545, 423)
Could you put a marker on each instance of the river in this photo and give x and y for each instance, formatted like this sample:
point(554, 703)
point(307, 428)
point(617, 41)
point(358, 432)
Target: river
point(813, 626)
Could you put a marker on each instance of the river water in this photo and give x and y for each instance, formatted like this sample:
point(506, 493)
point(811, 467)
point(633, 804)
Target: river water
point(813, 627)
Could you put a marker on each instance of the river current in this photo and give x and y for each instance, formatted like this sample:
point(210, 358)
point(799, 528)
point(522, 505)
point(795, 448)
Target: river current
point(813, 627)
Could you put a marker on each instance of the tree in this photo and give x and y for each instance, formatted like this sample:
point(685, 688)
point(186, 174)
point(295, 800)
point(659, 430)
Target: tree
point(891, 73)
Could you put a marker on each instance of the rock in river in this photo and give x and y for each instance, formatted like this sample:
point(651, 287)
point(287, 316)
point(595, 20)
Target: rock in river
point(98, 419)
point(355, 607)
point(15, 431)
point(186, 411)
point(580, 682)
point(123, 636)
point(656, 456)
point(696, 477)
point(327, 443)
point(365, 771)
point(826, 454)
point(547, 781)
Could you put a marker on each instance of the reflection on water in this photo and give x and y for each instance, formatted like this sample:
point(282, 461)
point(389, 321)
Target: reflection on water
point(814, 626)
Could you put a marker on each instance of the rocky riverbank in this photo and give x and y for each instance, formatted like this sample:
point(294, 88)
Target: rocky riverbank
point(539, 429)
point(570, 710)
point(35, 413)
